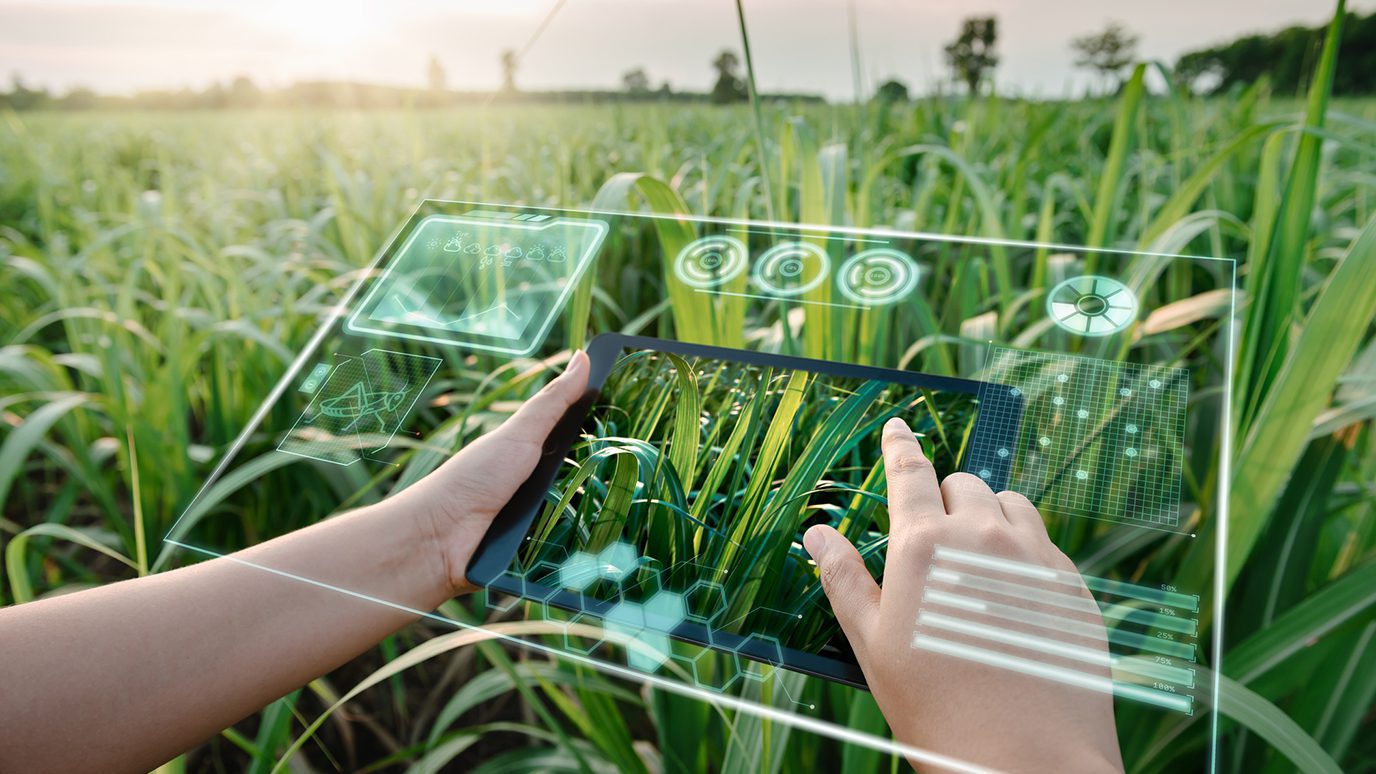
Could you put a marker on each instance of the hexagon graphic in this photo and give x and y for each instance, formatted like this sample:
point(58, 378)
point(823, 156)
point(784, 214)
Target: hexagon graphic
point(626, 616)
point(706, 599)
point(771, 644)
point(539, 582)
point(713, 670)
point(665, 611)
point(579, 643)
point(617, 560)
point(579, 571)
point(649, 652)
point(774, 651)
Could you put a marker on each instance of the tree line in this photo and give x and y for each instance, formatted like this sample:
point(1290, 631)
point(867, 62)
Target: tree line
point(241, 92)
point(1284, 58)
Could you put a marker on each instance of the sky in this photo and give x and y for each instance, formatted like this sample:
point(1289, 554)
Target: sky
point(122, 46)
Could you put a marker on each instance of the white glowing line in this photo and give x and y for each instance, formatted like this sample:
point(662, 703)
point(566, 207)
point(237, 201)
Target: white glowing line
point(1038, 572)
point(813, 725)
point(1031, 617)
point(862, 232)
point(1083, 628)
point(1049, 672)
point(933, 595)
point(1139, 667)
point(1003, 565)
point(1028, 641)
point(945, 576)
point(1014, 590)
point(794, 299)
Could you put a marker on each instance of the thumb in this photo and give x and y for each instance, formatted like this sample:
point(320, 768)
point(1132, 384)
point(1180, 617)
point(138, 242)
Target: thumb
point(535, 419)
point(853, 593)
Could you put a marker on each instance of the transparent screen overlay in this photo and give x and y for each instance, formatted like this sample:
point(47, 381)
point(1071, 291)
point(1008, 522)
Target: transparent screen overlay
point(669, 548)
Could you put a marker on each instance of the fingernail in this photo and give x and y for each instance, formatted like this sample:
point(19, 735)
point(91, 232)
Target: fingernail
point(815, 541)
point(896, 425)
point(577, 363)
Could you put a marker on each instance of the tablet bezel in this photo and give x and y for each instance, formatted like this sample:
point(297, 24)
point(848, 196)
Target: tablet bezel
point(493, 556)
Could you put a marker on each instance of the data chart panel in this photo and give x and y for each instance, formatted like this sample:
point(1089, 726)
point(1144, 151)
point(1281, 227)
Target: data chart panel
point(1095, 438)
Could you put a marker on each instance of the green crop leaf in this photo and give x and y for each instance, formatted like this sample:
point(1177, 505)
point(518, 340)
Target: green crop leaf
point(1301, 391)
point(16, 553)
point(1276, 286)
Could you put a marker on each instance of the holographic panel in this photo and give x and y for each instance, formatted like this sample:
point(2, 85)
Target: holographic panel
point(480, 282)
point(1025, 617)
point(1098, 438)
point(363, 402)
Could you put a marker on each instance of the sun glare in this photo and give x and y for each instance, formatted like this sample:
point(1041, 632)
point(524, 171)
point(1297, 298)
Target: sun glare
point(325, 23)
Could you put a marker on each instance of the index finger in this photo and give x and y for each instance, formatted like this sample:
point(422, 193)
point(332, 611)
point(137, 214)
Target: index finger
point(914, 493)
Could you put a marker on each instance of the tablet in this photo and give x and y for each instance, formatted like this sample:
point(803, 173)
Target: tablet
point(671, 500)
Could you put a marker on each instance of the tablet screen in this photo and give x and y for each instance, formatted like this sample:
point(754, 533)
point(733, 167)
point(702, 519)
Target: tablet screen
point(682, 502)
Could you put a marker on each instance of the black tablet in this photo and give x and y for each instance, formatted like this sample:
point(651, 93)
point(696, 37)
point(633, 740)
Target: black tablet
point(671, 501)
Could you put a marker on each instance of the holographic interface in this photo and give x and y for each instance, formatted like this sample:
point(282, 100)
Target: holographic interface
point(1094, 438)
point(667, 548)
point(1038, 621)
point(362, 403)
point(486, 280)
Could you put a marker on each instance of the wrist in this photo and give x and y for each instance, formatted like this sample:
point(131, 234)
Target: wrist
point(422, 557)
point(445, 533)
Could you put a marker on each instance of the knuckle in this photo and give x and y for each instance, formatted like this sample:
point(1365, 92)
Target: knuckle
point(908, 463)
point(993, 536)
point(1014, 499)
point(966, 483)
point(829, 580)
point(837, 579)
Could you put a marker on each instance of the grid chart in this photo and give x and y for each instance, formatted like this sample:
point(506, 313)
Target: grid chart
point(360, 406)
point(1095, 438)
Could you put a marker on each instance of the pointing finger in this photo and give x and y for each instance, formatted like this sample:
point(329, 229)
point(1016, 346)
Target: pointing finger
point(913, 490)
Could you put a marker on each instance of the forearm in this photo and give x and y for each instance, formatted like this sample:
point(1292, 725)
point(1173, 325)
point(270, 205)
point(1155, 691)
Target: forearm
point(127, 676)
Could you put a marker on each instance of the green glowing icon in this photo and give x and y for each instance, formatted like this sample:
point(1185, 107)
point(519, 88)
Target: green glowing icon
point(494, 285)
point(360, 406)
point(1092, 305)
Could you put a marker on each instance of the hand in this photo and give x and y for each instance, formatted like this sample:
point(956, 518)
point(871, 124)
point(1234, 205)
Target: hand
point(456, 504)
point(945, 703)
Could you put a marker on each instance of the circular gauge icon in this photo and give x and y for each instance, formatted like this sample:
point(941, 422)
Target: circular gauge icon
point(710, 261)
point(792, 268)
point(878, 276)
point(1092, 305)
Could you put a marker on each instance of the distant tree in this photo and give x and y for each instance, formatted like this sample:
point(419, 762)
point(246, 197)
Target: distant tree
point(665, 89)
point(78, 98)
point(636, 81)
point(243, 93)
point(434, 75)
point(508, 70)
point(21, 97)
point(972, 54)
point(892, 90)
point(1107, 52)
point(729, 86)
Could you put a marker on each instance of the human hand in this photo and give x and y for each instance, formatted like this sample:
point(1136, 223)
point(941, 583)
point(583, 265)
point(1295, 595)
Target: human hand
point(944, 703)
point(456, 503)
